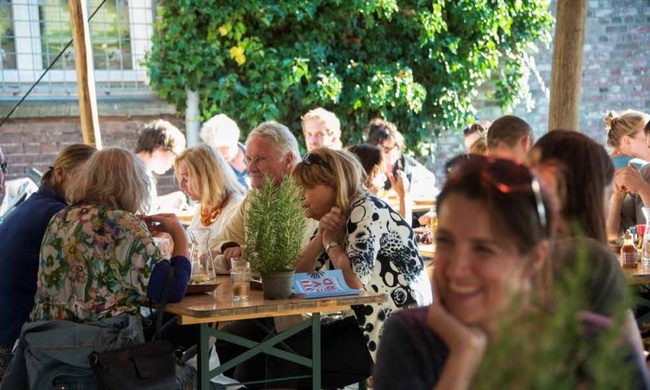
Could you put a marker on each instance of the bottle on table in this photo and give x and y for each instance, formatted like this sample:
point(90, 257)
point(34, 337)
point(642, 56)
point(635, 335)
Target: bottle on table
point(629, 256)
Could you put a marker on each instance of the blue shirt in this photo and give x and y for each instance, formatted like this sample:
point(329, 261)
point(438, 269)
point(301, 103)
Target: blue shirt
point(242, 177)
point(20, 243)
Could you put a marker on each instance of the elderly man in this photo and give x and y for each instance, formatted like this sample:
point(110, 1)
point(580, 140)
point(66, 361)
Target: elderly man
point(510, 137)
point(222, 133)
point(271, 149)
point(321, 128)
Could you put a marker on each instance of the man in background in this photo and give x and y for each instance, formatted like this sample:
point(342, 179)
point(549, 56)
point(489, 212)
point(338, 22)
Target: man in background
point(158, 145)
point(510, 137)
point(321, 128)
point(222, 133)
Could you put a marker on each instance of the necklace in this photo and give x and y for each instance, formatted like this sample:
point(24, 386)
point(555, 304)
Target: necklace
point(209, 215)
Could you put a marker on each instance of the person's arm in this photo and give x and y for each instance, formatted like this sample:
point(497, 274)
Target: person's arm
point(401, 185)
point(333, 227)
point(234, 234)
point(170, 224)
point(158, 278)
point(309, 255)
point(466, 345)
point(613, 223)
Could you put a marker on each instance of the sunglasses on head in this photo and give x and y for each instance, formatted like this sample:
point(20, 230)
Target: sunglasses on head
point(313, 159)
point(508, 177)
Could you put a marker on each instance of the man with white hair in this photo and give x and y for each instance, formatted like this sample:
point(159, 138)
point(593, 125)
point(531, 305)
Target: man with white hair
point(222, 133)
point(271, 149)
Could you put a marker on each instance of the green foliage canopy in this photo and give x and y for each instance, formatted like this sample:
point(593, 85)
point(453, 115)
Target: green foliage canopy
point(416, 63)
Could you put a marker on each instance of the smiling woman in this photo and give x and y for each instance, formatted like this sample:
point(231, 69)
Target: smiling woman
point(492, 273)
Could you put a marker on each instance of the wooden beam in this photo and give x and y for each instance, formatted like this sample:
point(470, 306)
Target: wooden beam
point(566, 73)
point(83, 55)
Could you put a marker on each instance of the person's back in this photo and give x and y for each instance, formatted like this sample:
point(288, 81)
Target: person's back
point(509, 137)
point(20, 242)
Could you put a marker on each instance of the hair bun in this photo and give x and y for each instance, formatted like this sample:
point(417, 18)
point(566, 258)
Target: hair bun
point(610, 119)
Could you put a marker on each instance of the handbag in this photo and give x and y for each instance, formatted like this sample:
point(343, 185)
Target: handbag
point(151, 365)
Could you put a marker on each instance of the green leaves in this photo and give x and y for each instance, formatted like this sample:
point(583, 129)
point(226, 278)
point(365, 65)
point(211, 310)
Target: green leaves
point(416, 63)
point(275, 226)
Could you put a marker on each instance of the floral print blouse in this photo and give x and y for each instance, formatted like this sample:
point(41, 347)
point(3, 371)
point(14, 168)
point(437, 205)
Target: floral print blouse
point(95, 263)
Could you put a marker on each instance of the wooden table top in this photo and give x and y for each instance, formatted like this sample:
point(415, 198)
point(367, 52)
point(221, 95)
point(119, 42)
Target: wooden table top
point(219, 305)
point(638, 275)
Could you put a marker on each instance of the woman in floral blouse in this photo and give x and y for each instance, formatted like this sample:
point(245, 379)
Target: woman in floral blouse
point(98, 259)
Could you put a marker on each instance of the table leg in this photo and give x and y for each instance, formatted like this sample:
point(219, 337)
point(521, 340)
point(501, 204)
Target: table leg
point(316, 356)
point(203, 356)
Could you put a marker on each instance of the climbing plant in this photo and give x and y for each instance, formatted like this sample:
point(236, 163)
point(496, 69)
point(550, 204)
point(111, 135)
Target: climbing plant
point(416, 63)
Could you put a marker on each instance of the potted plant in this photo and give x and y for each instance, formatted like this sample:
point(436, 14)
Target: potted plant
point(275, 225)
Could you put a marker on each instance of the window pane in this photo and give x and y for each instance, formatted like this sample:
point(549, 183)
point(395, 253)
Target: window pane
point(7, 43)
point(109, 28)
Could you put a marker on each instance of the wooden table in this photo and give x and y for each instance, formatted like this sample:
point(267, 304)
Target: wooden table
point(638, 275)
point(204, 309)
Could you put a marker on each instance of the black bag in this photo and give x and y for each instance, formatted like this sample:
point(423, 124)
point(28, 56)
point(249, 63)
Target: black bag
point(151, 365)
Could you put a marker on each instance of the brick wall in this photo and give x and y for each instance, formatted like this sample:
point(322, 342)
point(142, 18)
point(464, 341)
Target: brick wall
point(34, 142)
point(616, 74)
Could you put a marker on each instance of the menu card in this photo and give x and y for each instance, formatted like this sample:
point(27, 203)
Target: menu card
point(320, 284)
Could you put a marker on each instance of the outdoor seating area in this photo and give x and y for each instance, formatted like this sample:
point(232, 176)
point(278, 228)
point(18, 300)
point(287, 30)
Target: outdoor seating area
point(331, 195)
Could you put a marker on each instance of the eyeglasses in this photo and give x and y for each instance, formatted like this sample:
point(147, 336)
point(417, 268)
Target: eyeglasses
point(388, 149)
point(313, 159)
point(254, 160)
point(3, 166)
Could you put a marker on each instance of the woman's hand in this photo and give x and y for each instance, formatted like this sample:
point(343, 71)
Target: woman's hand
point(629, 179)
point(169, 223)
point(332, 226)
point(466, 345)
point(400, 184)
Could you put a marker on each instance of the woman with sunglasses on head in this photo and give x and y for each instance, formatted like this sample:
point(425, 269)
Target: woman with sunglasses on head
point(362, 236)
point(492, 244)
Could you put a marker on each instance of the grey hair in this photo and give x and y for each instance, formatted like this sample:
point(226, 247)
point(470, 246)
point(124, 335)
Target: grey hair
point(285, 142)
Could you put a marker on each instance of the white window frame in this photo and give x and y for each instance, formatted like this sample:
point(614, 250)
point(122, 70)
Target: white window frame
point(29, 61)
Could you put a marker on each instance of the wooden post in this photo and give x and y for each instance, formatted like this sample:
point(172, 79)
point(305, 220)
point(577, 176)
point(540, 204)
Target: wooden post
point(566, 73)
point(83, 55)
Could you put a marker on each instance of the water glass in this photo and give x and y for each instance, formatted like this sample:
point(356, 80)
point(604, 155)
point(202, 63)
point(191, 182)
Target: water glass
point(240, 277)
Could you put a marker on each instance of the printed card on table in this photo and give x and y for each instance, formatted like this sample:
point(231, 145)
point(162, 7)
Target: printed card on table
point(322, 284)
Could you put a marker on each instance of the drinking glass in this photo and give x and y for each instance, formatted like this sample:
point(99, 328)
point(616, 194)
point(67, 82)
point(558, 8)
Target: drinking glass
point(240, 277)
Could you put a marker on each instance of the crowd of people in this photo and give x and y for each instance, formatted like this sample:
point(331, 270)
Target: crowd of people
point(514, 216)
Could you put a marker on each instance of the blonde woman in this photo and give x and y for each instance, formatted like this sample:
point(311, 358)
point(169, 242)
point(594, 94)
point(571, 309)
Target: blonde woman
point(626, 137)
point(362, 236)
point(205, 177)
point(98, 259)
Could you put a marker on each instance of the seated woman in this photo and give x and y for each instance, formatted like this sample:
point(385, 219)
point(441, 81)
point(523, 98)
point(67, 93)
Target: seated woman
point(205, 177)
point(372, 160)
point(373, 247)
point(20, 243)
point(98, 259)
point(494, 226)
point(360, 235)
point(627, 134)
